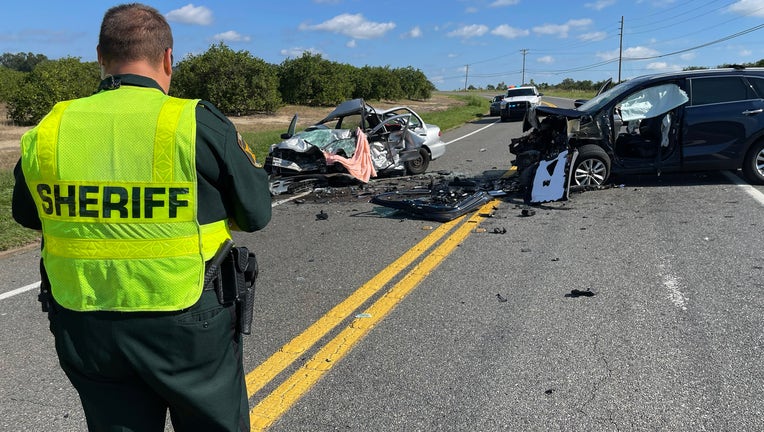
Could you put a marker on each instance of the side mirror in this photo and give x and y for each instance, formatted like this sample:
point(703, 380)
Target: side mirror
point(292, 126)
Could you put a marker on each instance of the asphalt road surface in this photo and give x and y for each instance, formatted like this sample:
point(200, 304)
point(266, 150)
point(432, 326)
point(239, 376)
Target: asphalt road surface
point(633, 308)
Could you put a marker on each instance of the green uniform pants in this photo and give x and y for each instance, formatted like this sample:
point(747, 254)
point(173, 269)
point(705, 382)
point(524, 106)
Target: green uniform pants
point(130, 368)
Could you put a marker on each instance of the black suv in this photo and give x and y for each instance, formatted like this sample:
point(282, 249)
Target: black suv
point(682, 121)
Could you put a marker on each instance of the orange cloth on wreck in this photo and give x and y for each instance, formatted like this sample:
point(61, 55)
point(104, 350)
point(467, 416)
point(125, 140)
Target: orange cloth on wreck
point(360, 165)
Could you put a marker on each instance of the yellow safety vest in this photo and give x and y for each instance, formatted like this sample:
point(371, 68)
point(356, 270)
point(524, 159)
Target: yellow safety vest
point(114, 179)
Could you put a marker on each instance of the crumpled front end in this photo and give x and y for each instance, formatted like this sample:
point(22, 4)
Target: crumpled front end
point(544, 159)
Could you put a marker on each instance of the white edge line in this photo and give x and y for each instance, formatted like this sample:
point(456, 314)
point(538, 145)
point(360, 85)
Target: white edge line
point(750, 190)
point(29, 287)
point(472, 133)
point(286, 200)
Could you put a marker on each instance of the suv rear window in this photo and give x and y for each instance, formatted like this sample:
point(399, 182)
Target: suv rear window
point(758, 85)
point(717, 90)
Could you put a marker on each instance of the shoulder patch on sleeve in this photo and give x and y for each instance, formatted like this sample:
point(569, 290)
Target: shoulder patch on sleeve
point(247, 151)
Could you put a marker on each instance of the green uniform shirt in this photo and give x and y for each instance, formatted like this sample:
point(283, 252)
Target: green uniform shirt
point(230, 183)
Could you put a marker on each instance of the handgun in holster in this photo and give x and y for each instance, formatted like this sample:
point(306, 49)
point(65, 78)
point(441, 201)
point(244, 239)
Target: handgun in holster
point(232, 273)
point(45, 297)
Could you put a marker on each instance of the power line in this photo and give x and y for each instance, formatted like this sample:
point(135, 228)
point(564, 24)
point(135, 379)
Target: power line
point(610, 61)
point(741, 33)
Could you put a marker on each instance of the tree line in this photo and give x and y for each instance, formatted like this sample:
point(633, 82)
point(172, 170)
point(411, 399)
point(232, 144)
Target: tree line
point(235, 81)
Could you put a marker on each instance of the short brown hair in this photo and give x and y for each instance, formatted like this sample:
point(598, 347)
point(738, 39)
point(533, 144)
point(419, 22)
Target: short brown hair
point(132, 32)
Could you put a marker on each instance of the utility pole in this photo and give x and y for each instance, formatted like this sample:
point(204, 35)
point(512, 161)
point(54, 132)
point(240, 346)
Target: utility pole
point(466, 74)
point(524, 51)
point(620, 52)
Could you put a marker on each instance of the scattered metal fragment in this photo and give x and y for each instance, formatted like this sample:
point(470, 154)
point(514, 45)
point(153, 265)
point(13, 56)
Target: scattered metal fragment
point(322, 216)
point(501, 298)
point(578, 293)
point(527, 212)
point(498, 230)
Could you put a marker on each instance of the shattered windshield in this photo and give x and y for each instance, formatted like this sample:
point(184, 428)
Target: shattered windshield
point(596, 103)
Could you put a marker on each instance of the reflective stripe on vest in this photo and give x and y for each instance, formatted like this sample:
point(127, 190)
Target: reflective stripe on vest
point(114, 179)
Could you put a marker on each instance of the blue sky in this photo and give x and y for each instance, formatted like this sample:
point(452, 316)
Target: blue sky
point(479, 42)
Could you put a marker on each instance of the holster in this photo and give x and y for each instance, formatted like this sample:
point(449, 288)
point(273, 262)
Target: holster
point(235, 284)
point(45, 297)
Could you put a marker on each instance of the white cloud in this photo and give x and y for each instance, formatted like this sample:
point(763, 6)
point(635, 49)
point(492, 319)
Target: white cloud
point(663, 67)
point(687, 56)
point(509, 32)
point(629, 53)
point(745, 53)
point(593, 37)
point(599, 4)
point(351, 43)
point(298, 52)
point(748, 8)
point(469, 31)
point(354, 26)
point(579, 22)
point(561, 30)
point(231, 36)
point(545, 59)
point(500, 3)
point(414, 33)
point(190, 14)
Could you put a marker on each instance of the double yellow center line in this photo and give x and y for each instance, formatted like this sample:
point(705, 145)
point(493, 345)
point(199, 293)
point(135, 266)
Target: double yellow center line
point(276, 403)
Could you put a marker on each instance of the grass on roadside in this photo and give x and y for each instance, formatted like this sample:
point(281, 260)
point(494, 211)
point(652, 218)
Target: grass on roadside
point(13, 234)
point(570, 94)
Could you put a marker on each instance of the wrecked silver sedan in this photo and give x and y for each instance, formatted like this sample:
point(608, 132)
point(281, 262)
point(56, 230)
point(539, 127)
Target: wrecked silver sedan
point(359, 140)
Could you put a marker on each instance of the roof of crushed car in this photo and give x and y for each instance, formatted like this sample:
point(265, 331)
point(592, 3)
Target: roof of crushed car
point(353, 106)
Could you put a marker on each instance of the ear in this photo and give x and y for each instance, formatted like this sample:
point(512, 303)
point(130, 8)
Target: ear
point(167, 61)
point(98, 52)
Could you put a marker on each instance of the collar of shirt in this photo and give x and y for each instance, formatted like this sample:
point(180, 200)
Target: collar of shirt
point(112, 82)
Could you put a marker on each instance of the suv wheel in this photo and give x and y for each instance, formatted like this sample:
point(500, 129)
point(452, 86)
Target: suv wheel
point(592, 166)
point(753, 164)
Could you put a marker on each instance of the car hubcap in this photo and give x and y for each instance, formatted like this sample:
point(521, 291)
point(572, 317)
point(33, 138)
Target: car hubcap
point(760, 163)
point(590, 172)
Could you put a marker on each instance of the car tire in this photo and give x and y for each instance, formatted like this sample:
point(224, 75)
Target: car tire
point(420, 164)
point(753, 164)
point(592, 166)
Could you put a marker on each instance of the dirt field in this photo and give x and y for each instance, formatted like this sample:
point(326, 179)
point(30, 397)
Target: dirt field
point(10, 135)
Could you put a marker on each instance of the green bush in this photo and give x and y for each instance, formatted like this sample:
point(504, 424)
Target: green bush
point(9, 80)
point(311, 80)
point(50, 82)
point(22, 62)
point(236, 82)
